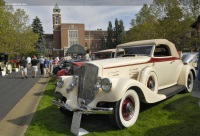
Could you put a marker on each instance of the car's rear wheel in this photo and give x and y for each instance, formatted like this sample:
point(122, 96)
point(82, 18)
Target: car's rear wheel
point(126, 110)
point(190, 82)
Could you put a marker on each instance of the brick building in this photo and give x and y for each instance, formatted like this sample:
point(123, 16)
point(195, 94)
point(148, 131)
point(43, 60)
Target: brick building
point(66, 34)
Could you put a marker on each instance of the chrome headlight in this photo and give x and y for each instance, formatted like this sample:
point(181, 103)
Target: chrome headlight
point(106, 84)
point(59, 82)
point(73, 83)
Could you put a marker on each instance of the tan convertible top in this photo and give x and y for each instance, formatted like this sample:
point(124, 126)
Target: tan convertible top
point(156, 42)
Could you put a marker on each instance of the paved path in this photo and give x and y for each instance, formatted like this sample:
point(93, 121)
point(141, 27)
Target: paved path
point(19, 117)
point(12, 89)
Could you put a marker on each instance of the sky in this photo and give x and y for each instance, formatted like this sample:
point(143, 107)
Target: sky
point(95, 14)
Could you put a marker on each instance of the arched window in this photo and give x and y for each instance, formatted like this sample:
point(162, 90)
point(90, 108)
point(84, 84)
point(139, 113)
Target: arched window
point(56, 20)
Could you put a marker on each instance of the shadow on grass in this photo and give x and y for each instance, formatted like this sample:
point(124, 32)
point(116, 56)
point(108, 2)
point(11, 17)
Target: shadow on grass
point(48, 120)
point(187, 121)
point(51, 120)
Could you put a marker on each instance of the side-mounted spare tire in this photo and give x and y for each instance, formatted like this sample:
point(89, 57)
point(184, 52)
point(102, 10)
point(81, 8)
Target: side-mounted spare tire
point(149, 79)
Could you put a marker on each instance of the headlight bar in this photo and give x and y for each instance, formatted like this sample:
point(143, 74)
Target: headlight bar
point(73, 83)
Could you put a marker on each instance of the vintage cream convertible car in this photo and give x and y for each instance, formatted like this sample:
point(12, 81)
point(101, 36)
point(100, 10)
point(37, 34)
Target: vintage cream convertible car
point(149, 71)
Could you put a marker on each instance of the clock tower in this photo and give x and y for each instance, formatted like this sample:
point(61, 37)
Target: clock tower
point(56, 17)
point(57, 51)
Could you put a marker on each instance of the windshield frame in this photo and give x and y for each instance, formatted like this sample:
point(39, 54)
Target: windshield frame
point(135, 46)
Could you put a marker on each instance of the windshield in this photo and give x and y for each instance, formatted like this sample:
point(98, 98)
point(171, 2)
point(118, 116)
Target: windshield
point(141, 50)
point(102, 55)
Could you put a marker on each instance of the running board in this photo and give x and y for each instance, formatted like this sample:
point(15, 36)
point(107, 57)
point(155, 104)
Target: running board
point(172, 90)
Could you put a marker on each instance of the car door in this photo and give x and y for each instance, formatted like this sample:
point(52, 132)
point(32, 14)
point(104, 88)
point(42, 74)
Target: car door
point(167, 67)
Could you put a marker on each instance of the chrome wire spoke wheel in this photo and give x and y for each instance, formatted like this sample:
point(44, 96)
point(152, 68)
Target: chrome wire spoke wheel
point(128, 108)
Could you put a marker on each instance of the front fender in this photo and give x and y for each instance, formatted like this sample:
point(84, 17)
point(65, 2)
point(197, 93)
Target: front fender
point(61, 73)
point(120, 86)
point(70, 96)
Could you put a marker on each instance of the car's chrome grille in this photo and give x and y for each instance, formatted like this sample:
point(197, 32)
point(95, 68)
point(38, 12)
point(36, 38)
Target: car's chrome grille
point(87, 80)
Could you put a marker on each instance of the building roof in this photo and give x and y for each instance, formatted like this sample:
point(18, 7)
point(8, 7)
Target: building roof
point(56, 8)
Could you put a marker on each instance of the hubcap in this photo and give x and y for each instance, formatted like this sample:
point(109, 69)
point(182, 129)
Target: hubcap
point(150, 83)
point(189, 82)
point(128, 108)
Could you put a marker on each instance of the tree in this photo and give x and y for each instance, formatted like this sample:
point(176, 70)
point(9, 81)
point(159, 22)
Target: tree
point(145, 15)
point(15, 35)
point(167, 19)
point(109, 42)
point(24, 37)
point(38, 29)
point(143, 27)
point(191, 8)
point(118, 32)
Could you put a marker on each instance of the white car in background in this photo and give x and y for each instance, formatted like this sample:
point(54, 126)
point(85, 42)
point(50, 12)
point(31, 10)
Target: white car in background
point(149, 71)
point(190, 58)
point(105, 54)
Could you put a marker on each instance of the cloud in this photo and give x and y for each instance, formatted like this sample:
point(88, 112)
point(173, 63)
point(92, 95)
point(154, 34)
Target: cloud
point(94, 17)
point(99, 16)
point(81, 2)
point(95, 14)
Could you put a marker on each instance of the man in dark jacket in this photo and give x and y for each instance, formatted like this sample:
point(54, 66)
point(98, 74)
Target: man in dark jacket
point(23, 67)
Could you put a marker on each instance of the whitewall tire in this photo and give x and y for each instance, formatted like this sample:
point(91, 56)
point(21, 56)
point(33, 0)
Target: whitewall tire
point(190, 82)
point(126, 110)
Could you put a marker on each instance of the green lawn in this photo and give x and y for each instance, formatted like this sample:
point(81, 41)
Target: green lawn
point(176, 116)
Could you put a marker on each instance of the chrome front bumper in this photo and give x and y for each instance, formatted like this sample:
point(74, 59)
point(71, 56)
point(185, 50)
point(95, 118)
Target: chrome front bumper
point(96, 110)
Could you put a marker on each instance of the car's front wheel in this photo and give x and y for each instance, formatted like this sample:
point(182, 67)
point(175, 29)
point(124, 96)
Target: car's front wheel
point(126, 110)
point(190, 82)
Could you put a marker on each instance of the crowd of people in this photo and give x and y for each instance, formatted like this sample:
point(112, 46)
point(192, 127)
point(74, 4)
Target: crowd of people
point(45, 65)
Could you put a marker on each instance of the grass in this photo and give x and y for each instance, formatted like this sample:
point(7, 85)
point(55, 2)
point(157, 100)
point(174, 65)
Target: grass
point(176, 116)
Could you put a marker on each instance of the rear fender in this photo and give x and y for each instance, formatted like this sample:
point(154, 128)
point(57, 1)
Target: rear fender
point(182, 80)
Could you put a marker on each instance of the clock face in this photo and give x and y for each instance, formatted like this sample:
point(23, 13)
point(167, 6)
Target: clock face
point(56, 10)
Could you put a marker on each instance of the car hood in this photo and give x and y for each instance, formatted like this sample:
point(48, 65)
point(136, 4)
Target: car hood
point(114, 62)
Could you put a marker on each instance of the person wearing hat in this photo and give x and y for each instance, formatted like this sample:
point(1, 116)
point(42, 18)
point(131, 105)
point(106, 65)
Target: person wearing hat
point(41, 61)
point(34, 63)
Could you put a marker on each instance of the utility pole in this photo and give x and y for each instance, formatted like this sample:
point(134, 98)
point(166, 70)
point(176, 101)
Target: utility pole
point(89, 36)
